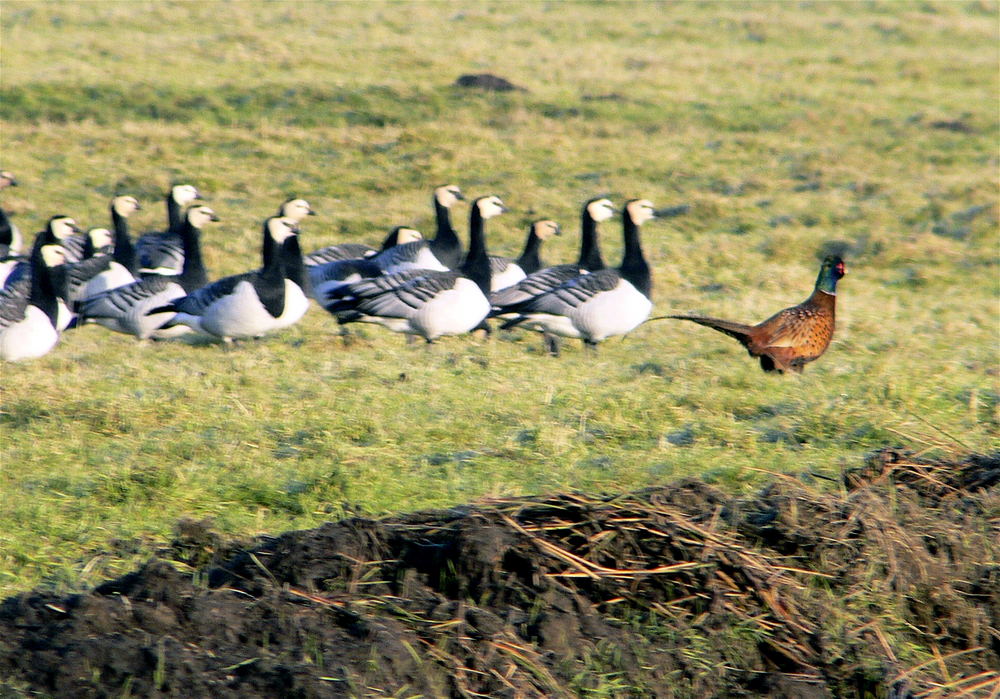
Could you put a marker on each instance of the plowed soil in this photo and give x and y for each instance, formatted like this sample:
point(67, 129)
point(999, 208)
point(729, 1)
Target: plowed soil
point(889, 587)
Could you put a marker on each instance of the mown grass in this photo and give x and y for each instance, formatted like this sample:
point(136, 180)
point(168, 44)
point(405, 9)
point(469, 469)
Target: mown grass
point(787, 129)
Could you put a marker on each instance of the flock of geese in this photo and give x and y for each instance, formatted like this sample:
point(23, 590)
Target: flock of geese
point(156, 286)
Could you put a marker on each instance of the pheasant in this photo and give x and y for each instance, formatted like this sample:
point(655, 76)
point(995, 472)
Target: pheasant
point(791, 338)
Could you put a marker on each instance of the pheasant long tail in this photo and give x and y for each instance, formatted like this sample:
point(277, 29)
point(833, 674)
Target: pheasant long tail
point(738, 330)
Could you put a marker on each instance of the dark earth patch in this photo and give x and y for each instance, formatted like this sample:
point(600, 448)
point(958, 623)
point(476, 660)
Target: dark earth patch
point(487, 81)
point(679, 591)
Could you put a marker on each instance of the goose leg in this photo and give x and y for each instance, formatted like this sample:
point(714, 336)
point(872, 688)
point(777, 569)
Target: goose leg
point(551, 344)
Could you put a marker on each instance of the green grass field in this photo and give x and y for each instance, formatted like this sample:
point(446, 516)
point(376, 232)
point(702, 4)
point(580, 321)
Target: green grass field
point(787, 128)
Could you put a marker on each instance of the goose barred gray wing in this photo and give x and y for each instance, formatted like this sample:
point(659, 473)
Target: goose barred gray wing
point(400, 301)
point(572, 293)
point(74, 246)
point(332, 275)
point(343, 251)
point(13, 304)
point(499, 264)
point(160, 253)
point(124, 308)
point(123, 299)
point(534, 285)
point(415, 255)
point(197, 302)
point(79, 273)
point(375, 285)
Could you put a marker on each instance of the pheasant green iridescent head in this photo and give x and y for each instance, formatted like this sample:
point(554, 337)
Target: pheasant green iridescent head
point(832, 270)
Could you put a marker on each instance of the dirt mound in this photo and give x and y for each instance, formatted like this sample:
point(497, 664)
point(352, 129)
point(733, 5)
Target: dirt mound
point(890, 588)
point(488, 82)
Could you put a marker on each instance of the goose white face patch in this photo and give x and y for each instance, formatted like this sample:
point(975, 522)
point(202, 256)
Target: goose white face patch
point(100, 237)
point(200, 215)
point(447, 195)
point(125, 205)
point(408, 235)
point(601, 210)
point(296, 209)
point(546, 229)
point(184, 194)
point(491, 206)
point(53, 255)
point(282, 228)
point(63, 227)
point(640, 211)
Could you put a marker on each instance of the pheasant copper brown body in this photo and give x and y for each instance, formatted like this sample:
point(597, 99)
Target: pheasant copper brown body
point(791, 338)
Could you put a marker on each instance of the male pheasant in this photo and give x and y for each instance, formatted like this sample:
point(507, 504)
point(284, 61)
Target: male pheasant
point(791, 338)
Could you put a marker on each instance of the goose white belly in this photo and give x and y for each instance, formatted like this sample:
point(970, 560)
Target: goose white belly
point(452, 312)
point(296, 305)
point(238, 314)
point(64, 316)
point(612, 313)
point(607, 314)
point(29, 338)
point(510, 276)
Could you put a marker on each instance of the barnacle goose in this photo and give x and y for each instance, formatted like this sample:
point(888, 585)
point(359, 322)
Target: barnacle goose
point(28, 323)
point(330, 275)
point(163, 252)
point(605, 303)
point(96, 260)
point(441, 254)
point(430, 303)
point(507, 271)
point(594, 211)
point(57, 230)
point(250, 304)
point(124, 267)
point(125, 308)
point(62, 230)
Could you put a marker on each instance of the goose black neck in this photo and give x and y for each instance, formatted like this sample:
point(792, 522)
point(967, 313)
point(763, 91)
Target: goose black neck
point(124, 250)
point(193, 274)
point(6, 230)
point(88, 248)
point(590, 249)
point(175, 217)
point(477, 263)
point(293, 266)
point(273, 259)
point(634, 267)
point(446, 246)
point(43, 288)
point(529, 260)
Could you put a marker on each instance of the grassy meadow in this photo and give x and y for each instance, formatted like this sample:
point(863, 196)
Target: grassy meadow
point(788, 129)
